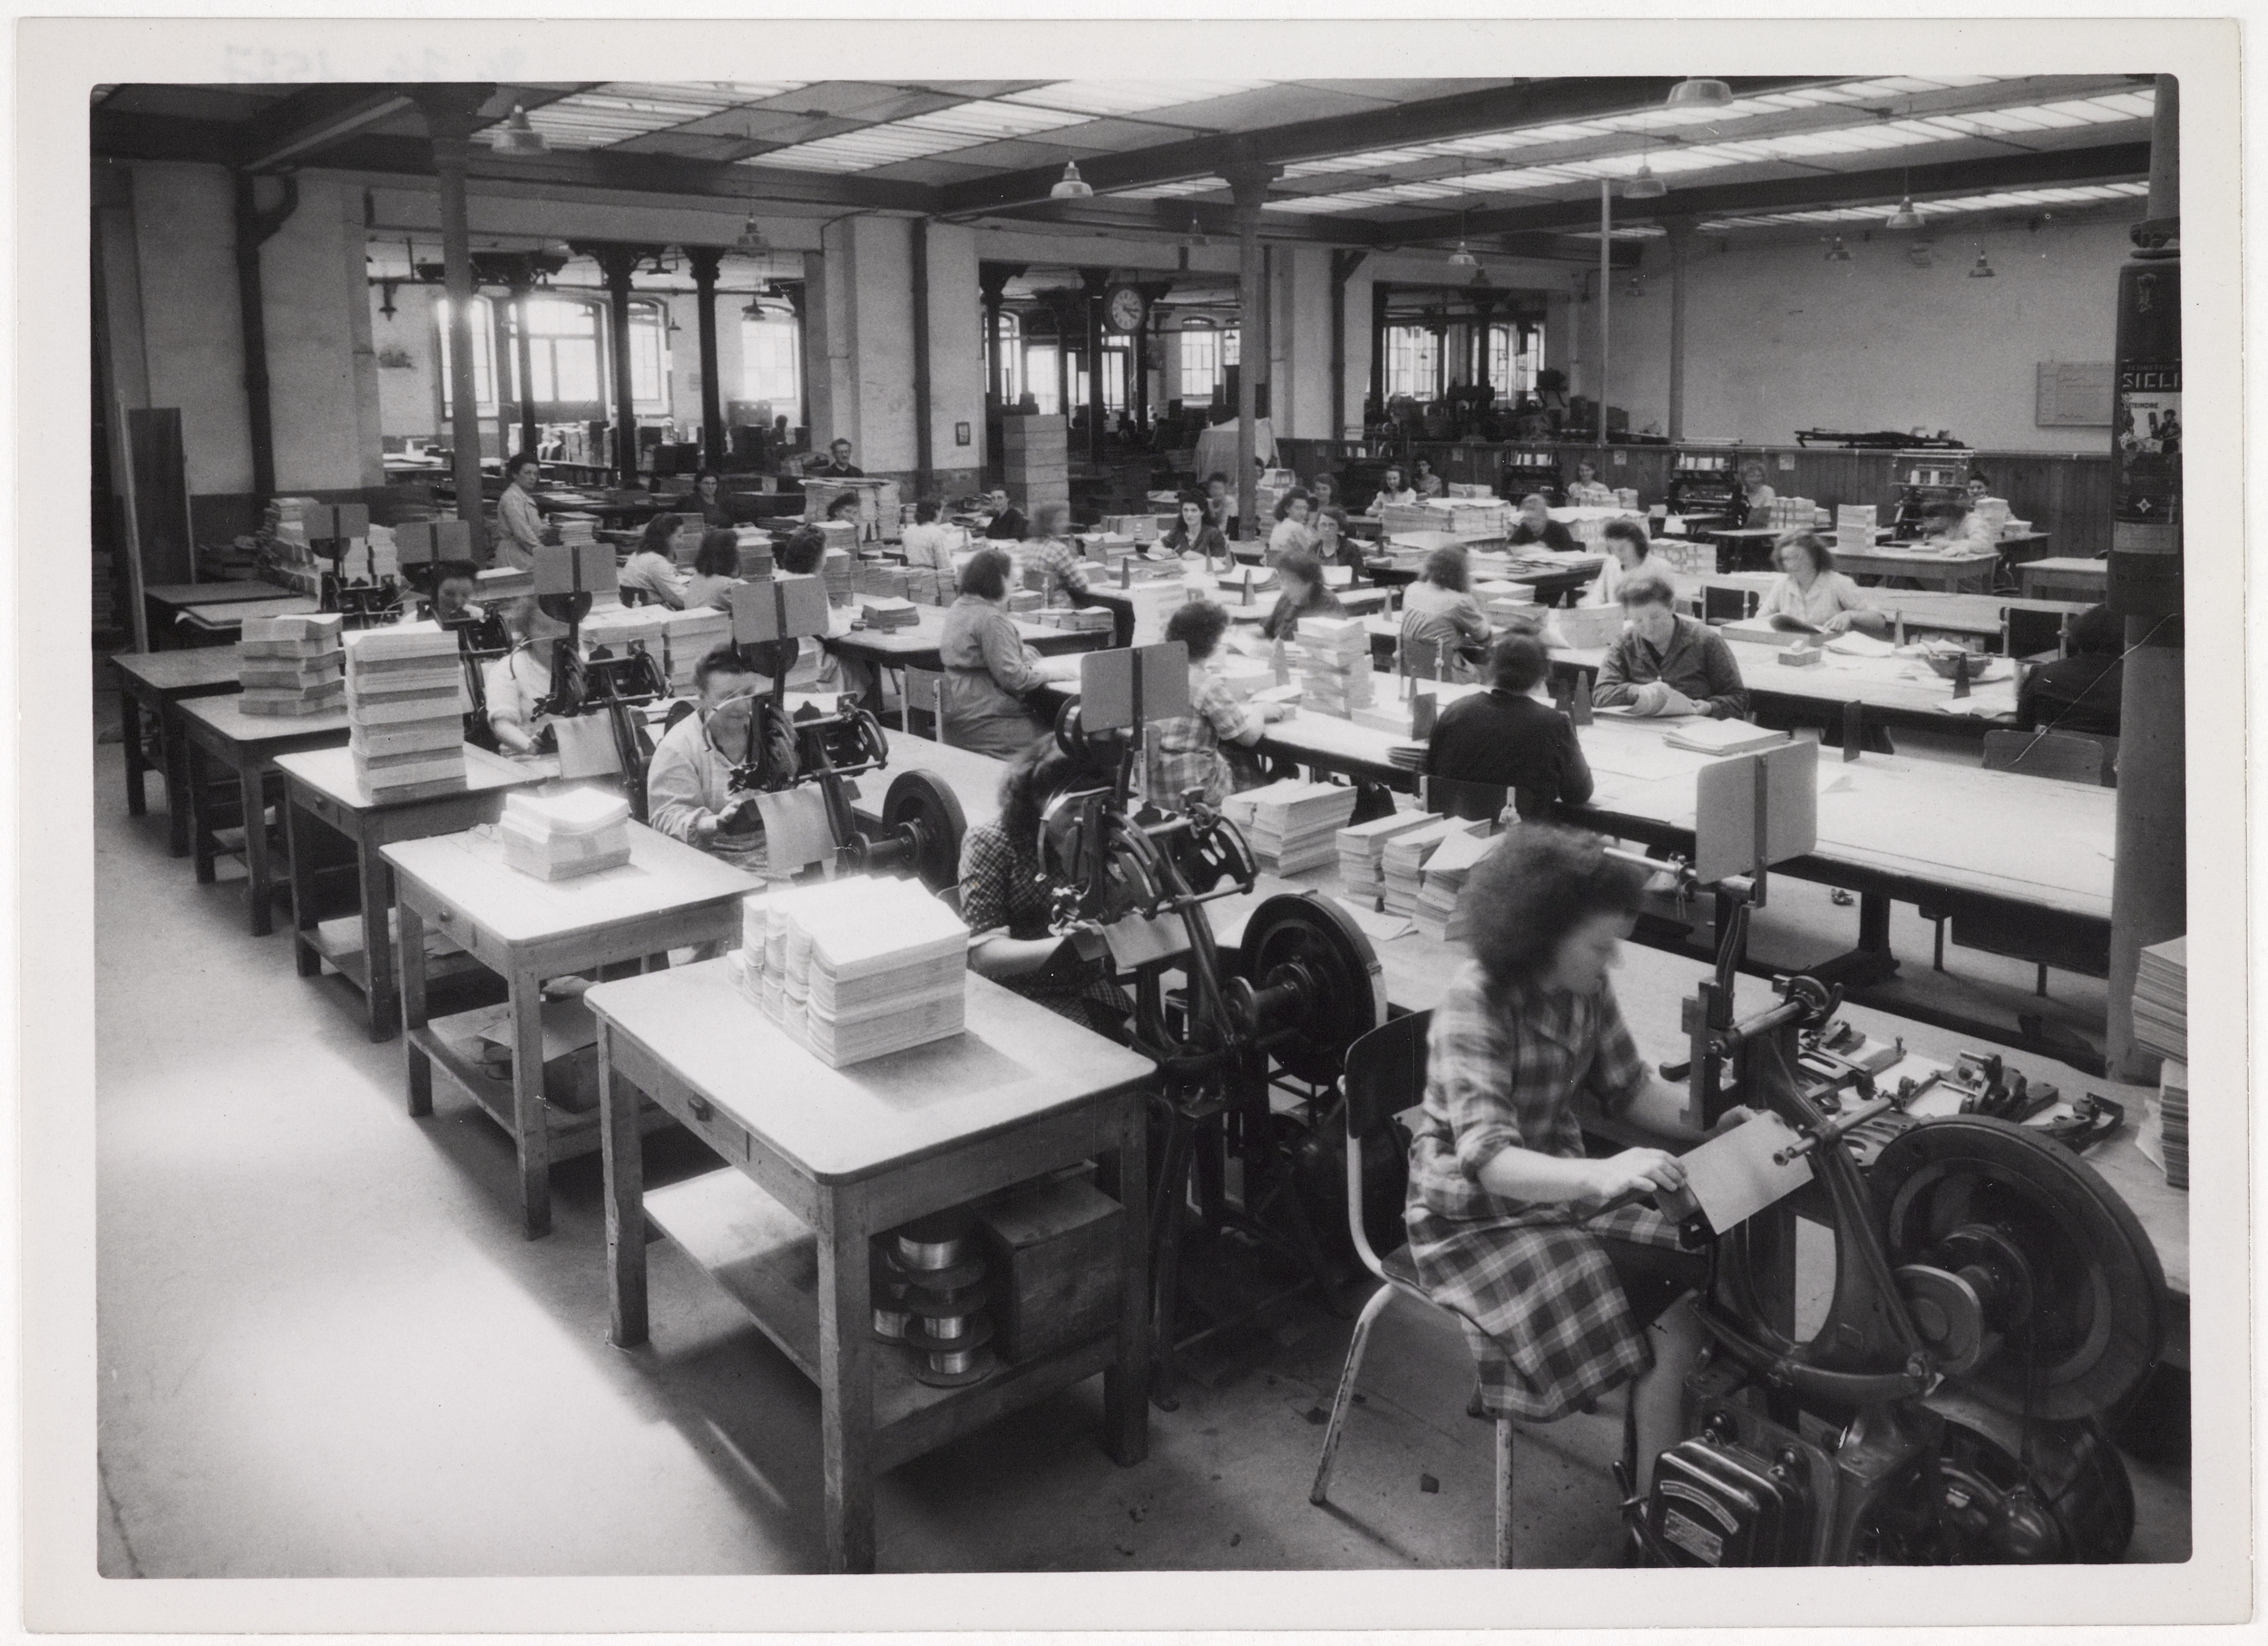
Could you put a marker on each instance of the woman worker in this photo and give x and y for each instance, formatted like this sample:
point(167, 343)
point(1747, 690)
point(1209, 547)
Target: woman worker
point(929, 547)
point(1440, 617)
point(1810, 593)
point(514, 684)
point(1303, 595)
point(1588, 491)
point(1051, 550)
point(1562, 1300)
point(708, 499)
point(1627, 545)
point(1333, 546)
point(1425, 482)
point(1756, 497)
point(1195, 536)
point(1536, 525)
point(1292, 531)
point(1189, 749)
point(1395, 489)
point(989, 670)
point(715, 568)
point(651, 569)
point(1007, 898)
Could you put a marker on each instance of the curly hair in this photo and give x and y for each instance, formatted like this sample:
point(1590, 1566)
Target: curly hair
point(803, 552)
point(659, 530)
point(719, 554)
point(1631, 531)
point(1035, 777)
point(1822, 558)
point(986, 574)
point(1540, 882)
point(1447, 568)
point(1198, 625)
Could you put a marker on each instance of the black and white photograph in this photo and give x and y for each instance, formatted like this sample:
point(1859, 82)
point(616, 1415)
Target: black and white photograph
point(1136, 810)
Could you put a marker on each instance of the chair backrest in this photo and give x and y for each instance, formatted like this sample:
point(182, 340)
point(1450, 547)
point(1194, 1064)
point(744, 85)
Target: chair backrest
point(925, 694)
point(1384, 1073)
point(2045, 754)
point(1727, 605)
point(2027, 632)
point(1456, 798)
point(1420, 658)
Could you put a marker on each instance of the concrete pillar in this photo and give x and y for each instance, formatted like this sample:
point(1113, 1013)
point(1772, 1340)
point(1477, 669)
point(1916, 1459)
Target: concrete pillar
point(1343, 267)
point(957, 360)
point(1250, 182)
point(859, 323)
point(705, 261)
point(1605, 303)
point(523, 357)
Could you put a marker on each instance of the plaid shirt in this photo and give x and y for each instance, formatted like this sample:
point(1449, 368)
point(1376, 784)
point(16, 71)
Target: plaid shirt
point(1186, 749)
point(1002, 887)
point(1061, 566)
point(1542, 1309)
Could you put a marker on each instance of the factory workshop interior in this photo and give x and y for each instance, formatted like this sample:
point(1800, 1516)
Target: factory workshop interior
point(1085, 825)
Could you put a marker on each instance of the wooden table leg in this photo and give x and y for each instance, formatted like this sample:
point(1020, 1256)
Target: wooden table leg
point(1853, 729)
point(413, 933)
point(530, 1140)
point(257, 885)
point(200, 813)
point(130, 735)
point(624, 1165)
point(377, 944)
point(304, 954)
point(1124, 1175)
point(176, 782)
point(846, 1404)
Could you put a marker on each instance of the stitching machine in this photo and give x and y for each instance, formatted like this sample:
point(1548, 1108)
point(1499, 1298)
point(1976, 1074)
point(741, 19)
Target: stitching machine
point(566, 577)
point(1300, 986)
point(922, 820)
point(365, 602)
point(423, 545)
point(1994, 1302)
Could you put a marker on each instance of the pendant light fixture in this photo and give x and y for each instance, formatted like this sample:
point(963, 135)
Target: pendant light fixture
point(1462, 256)
point(1197, 235)
point(1071, 185)
point(516, 136)
point(1837, 252)
point(1983, 271)
point(1905, 218)
point(1691, 93)
point(1643, 183)
point(751, 242)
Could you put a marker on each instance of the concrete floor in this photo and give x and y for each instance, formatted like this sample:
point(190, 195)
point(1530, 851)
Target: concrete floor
point(325, 1348)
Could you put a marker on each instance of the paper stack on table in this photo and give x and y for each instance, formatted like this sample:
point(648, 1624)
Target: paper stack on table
point(691, 636)
point(1401, 867)
point(1439, 911)
point(406, 706)
point(1291, 824)
point(1465, 519)
point(574, 527)
point(576, 831)
point(1723, 737)
point(622, 630)
point(1361, 851)
point(889, 612)
point(2173, 1107)
point(2161, 999)
point(1332, 654)
point(855, 968)
point(291, 664)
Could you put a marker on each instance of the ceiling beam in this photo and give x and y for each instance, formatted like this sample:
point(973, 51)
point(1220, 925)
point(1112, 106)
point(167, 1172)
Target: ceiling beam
point(1168, 218)
point(2108, 162)
point(295, 128)
point(1464, 114)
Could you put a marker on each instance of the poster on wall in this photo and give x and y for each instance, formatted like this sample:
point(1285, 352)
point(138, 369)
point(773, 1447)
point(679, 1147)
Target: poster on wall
point(2148, 436)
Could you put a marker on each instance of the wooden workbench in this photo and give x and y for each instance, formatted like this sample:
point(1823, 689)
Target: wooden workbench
point(216, 730)
point(208, 624)
point(2065, 577)
point(819, 1161)
point(164, 602)
point(1924, 567)
point(916, 647)
point(526, 930)
point(155, 683)
point(320, 785)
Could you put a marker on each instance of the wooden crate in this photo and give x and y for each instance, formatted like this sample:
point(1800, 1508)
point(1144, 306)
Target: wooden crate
point(1053, 1247)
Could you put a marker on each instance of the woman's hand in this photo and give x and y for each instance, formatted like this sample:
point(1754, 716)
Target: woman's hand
point(1838, 624)
point(1635, 1171)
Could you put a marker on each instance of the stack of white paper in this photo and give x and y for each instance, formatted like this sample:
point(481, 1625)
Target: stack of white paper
point(291, 664)
point(1463, 517)
point(1362, 852)
point(576, 831)
point(2161, 999)
point(1294, 823)
point(1333, 655)
point(622, 630)
point(1855, 524)
point(1402, 866)
point(2173, 1099)
point(690, 637)
point(1439, 911)
point(1723, 737)
point(864, 966)
point(574, 527)
point(884, 612)
point(406, 706)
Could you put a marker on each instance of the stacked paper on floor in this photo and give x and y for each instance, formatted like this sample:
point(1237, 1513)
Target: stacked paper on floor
point(691, 636)
point(1293, 823)
point(1439, 911)
point(1361, 851)
point(1332, 656)
point(2173, 1099)
point(1723, 737)
point(2161, 999)
point(1401, 867)
point(406, 706)
point(291, 664)
point(576, 831)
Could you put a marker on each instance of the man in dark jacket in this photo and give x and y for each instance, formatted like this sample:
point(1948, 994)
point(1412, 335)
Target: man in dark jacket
point(1008, 523)
point(2079, 693)
point(1669, 664)
point(1504, 737)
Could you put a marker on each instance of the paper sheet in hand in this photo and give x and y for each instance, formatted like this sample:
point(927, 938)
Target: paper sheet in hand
point(1732, 1176)
point(796, 831)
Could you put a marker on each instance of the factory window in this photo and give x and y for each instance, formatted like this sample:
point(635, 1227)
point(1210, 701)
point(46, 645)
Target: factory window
point(1117, 356)
point(1200, 359)
point(563, 351)
point(771, 360)
point(483, 356)
point(1413, 362)
point(1039, 378)
point(1515, 356)
point(1009, 343)
point(649, 357)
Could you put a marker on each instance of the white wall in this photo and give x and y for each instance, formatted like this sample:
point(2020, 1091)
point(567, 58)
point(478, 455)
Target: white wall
point(409, 397)
point(956, 356)
point(323, 384)
point(1778, 339)
point(193, 340)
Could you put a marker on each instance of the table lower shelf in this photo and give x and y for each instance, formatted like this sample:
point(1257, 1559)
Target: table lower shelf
point(453, 1045)
point(769, 1260)
point(339, 944)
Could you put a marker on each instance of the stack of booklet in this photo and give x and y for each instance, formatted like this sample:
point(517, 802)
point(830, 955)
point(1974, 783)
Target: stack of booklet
point(1363, 849)
point(1439, 911)
point(855, 968)
point(405, 707)
point(889, 612)
point(576, 831)
point(1723, 737)
point(2161, 999)
point(1333, 655)
point(291, 664)
point(1293, 823)
point(1403, 865)
point(691, 636)
point(2173, 1107)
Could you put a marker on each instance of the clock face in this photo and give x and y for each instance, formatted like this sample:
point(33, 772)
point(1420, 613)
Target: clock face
point(1124, 307)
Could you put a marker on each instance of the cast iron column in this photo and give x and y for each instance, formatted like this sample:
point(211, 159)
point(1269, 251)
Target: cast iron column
point(617, 263)
point(451, 114)
point(1250, 181)
point(1092, 284)
point(705, 261)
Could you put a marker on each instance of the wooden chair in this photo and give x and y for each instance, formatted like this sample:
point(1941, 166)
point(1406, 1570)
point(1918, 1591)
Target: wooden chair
point(925, 694)
point(1456, 798)
point(1721, 604)
point(1385, 1073)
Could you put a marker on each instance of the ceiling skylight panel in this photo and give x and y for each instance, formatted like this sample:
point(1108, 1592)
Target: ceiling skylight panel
point(1091, 98)
point(1372, 160)
point(989, 121)
point(1173, 191)
point(861, 151)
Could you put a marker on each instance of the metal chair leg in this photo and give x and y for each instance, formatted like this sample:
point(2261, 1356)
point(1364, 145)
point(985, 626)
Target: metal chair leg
point(1504, 1494)
point(1357, 1347)
point(1937, 963)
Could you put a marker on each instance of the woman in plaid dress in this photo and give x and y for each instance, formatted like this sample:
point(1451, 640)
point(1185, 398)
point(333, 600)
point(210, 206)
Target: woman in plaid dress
point(1560, 1300)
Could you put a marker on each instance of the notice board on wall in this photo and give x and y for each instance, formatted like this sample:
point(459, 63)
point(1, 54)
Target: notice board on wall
point(2073, 394)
